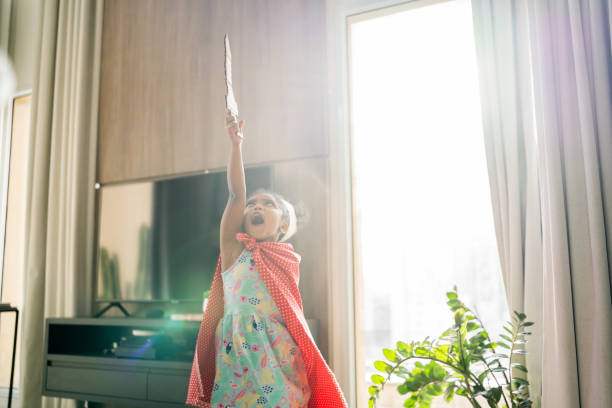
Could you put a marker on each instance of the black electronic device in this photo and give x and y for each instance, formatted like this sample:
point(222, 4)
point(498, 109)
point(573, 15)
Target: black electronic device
point(158, 241)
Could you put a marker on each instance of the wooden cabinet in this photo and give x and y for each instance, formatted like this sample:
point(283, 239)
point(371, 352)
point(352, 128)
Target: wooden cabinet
point(162, 87)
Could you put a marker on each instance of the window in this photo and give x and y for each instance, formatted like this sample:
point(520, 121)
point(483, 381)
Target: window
point(422, 206)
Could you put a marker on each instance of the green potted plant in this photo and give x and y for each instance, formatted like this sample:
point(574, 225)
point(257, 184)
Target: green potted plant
point(463, 361)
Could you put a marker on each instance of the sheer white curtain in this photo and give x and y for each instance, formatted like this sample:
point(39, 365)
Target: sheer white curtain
point(61, 175)
point(545, 70)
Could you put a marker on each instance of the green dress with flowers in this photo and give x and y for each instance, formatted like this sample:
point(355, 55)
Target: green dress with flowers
point(257, 362)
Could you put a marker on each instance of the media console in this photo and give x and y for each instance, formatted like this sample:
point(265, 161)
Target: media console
point(129, 361)
point(136, 362)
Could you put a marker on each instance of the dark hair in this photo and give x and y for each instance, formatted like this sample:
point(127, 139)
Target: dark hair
point(301, 213)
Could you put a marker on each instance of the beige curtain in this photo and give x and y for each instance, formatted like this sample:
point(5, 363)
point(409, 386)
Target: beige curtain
point(61, 177)
point(511, 150)
point(545, 85)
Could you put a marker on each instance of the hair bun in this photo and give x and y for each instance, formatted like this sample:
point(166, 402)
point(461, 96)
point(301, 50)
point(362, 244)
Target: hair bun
point(298, 217)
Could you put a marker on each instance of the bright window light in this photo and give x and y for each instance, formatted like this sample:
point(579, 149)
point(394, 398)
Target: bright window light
point(423, 208)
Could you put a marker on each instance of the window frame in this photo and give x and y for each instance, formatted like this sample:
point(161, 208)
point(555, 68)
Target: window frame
point(6, 136)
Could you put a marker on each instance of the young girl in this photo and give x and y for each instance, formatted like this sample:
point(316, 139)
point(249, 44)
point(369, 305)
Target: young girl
point(254, 348)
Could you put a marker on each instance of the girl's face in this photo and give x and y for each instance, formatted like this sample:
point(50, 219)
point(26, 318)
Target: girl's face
point(263, 218)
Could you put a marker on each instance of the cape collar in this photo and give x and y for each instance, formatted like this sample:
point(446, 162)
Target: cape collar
point(283, 249)
point(249, 242)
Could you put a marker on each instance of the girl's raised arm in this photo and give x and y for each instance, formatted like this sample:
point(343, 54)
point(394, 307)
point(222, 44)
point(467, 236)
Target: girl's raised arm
point(231, 221)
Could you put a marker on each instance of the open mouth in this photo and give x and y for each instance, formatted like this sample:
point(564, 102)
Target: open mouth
point(257, 219)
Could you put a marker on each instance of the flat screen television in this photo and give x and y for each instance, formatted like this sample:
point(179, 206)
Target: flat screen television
point(159, 240)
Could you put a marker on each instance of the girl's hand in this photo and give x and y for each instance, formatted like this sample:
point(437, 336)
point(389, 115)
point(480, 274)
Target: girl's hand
point(234, 130)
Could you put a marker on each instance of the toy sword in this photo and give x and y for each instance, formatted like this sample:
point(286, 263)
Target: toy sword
point(230, 100)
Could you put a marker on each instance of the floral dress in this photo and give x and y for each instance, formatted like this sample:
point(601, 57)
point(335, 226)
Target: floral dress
point(258, 364)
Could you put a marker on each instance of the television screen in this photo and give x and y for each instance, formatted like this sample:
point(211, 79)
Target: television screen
point(159, 240)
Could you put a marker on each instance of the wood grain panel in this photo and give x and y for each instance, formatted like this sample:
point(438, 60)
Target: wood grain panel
point(162, 88)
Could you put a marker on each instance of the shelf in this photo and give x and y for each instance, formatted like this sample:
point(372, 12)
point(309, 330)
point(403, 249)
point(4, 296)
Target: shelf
point(118, 362)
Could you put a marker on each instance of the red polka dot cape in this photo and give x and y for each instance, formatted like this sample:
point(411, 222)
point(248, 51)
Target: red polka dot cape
point(278, 265)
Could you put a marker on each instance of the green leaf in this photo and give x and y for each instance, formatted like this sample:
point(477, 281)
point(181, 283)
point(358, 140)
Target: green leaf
point(404, 349)
point(519, 367)
point(450, 391)
point(482, 393)
point(373, 390)
point(450, 332)
point(479, 337)
point(477, 388)
point(459, 316)
point(390, 355)
point(518, 351)
point(521, 316)
point(429, 370)
point(526, 324)
point(378, 379)
point(371, 402)
point(496, 393)
point(425, 399)
point(438, 372)
point(520, 381)
point(508, 339)
point(411, 402)
point(453, 302)
point(522, 388)
point(451, 295)
point(400, 370)
point(496, 361)
point(502, 344)
point(403, 388)
point(472, 326)
point(437, 389)
point(382, 366)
